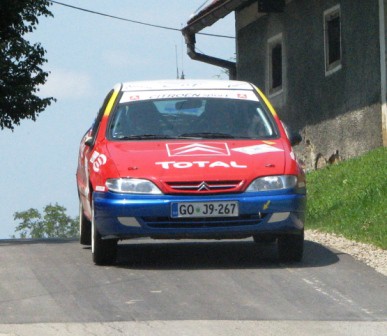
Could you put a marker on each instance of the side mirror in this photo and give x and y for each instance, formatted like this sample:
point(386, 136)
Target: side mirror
point(89, 141)
point(295, 138)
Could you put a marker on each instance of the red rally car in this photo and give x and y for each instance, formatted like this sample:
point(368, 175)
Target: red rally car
point(193, 159)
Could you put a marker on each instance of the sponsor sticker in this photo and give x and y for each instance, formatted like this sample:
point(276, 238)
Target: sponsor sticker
point(98, 160)
point(100, 188)
point(266, 205)
point(257, 149)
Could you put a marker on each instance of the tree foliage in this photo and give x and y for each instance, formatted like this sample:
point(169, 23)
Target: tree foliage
point(21, 71)
point(53, 223)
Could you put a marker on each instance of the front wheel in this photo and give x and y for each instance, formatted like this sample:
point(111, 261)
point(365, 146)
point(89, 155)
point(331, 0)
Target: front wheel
point(291, 247)
point(104, 250)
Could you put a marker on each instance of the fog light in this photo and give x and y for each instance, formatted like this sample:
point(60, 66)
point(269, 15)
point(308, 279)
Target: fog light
point(278, 217)
point(129, 221)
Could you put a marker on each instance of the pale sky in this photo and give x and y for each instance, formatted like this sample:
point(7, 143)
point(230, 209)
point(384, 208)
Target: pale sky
point(87, 54)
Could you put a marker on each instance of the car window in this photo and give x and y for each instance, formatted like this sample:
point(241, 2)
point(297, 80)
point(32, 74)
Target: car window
point(95, 126)
point(192, 117)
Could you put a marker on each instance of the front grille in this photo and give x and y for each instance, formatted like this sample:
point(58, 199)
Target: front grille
point(189, 223)
point(205, 186)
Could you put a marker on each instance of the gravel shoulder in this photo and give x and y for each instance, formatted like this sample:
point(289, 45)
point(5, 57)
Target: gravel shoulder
point(373, 256)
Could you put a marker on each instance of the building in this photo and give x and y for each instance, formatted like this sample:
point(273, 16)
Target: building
point(321, 62)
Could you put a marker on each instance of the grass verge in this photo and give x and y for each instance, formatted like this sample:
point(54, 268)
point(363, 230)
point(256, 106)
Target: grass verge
point(350, 198)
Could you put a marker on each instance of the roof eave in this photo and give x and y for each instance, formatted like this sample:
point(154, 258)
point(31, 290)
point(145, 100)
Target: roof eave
point(212, 14)
point(207, 17)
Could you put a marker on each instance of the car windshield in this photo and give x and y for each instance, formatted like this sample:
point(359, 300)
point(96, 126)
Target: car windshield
point(210, 118)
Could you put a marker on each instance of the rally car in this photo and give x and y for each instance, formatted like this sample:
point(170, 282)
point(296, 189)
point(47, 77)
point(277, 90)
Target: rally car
point(194, 159)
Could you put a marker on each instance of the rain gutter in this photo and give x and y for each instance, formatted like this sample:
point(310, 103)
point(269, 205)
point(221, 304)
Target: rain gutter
point(190, 40)
point(207, 17)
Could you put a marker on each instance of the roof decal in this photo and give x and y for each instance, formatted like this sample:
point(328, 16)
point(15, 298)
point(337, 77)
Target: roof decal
point(185, 84)
point(178, 94)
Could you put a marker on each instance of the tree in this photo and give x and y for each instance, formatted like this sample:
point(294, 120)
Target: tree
point(53, 223)
point(20, 62)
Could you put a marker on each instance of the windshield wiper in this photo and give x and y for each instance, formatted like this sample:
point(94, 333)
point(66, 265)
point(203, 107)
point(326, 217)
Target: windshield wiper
point(206, 135)
point(144, 136)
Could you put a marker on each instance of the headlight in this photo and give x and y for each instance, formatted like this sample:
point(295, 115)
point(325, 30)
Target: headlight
point(132, 186)
point(268, 183)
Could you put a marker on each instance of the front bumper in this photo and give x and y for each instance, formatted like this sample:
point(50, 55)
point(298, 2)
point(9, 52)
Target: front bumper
point(125, 216)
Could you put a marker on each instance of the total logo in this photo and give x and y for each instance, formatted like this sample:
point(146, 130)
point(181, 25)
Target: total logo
point(98, 160)
point(199, 164)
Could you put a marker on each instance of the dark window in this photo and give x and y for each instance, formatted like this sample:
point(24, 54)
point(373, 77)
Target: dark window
point(276, 66)
point(332, 40)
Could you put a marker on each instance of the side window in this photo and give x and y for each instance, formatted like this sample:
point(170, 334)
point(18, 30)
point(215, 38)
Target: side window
point(275, 64)
point(101, 111)
point(332, 40)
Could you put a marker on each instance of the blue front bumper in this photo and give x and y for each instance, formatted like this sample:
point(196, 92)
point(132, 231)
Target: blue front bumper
point(127, 216)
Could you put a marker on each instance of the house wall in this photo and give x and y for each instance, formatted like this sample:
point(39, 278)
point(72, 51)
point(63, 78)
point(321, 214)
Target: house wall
point(383, 65)
point(339, 113)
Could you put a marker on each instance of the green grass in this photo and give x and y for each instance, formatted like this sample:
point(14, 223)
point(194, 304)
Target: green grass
point(350, 199)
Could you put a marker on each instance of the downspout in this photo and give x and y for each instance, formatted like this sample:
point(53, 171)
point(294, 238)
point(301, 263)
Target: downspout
point(383, 70)
point(190, 40)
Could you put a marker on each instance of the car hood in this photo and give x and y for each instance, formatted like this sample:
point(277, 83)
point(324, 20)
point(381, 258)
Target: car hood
point(198, 160)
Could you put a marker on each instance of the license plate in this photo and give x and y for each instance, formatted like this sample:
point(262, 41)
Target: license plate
point(205, 209)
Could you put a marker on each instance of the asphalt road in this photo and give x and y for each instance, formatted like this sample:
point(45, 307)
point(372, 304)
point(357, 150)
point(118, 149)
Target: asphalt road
point(188, 288)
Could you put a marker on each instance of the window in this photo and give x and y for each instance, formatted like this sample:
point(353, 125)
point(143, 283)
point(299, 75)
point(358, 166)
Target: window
point(332, 39)
point(275, 57)
point(192, 117)
point(95, 126)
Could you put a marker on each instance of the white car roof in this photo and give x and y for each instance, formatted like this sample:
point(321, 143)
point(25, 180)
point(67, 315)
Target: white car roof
point(184, 84)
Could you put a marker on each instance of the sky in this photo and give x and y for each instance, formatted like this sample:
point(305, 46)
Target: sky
point(87, 55)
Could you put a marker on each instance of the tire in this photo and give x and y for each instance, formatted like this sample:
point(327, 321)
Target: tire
point(291, 247)
point(84, 227)
point(265, 238)
point(104, 251)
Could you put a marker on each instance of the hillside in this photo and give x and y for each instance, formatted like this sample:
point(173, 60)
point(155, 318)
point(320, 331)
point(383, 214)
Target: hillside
point(350, 199)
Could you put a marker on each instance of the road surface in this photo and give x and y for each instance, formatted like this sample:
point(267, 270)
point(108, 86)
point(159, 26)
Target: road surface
point(52, 287)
